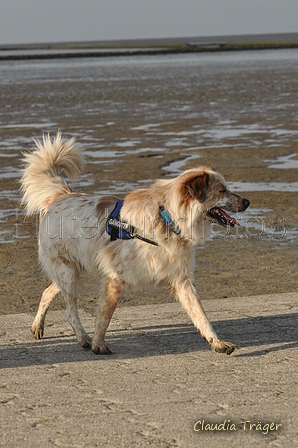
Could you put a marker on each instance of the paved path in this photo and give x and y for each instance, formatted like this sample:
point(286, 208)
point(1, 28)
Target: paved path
point(160, 381)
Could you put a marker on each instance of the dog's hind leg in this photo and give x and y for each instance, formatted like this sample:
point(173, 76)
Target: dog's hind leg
point(186, 293)
point(66, 277)
point(48, 296)
point(111, 293)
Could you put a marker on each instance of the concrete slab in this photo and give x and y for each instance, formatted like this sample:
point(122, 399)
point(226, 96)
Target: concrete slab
point(160, 381)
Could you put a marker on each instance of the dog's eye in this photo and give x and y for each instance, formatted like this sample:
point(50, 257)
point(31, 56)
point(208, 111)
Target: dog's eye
point(223, 190)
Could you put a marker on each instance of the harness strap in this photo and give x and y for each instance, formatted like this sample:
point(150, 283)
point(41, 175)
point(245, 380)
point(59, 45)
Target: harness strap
point(119, 229)
point(146, 240)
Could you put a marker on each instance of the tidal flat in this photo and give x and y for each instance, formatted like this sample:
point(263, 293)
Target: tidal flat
point(147, 117)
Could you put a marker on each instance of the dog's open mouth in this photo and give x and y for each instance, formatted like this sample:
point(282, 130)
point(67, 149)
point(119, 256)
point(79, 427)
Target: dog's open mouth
point(219, 216)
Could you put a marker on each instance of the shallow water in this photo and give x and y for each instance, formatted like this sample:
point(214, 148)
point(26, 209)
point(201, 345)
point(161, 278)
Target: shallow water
point(149, 86)
point(285, 162)
point(291, 187)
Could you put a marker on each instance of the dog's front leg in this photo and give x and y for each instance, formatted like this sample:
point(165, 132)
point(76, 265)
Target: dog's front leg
point(186, 293)
point(111, 293)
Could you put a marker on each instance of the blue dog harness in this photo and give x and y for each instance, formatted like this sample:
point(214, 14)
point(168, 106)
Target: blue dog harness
point(116, 228)
point(119, 229)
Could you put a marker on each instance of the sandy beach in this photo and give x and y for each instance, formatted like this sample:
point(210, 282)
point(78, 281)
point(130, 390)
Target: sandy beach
point(162, 386)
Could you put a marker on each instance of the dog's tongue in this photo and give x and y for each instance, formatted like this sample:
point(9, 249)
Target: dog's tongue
point(228, 218)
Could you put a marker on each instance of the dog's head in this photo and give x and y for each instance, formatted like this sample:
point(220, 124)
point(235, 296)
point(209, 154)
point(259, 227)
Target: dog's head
point(210, 190)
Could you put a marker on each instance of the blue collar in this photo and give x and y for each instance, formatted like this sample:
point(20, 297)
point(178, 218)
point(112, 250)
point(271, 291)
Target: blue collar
point(168, 220)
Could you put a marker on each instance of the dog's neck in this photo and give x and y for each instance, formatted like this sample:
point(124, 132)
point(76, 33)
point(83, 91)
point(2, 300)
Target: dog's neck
point(168, 221)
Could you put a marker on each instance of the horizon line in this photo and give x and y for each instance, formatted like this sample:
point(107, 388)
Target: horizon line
point(232, 38)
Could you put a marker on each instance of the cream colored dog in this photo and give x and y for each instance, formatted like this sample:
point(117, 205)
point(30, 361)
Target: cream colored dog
point(174, 215)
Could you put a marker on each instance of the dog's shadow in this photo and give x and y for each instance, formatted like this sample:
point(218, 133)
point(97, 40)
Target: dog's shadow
point(263, 334)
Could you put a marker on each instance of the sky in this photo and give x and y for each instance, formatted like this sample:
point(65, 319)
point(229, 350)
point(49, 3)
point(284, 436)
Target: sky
point(41, 21)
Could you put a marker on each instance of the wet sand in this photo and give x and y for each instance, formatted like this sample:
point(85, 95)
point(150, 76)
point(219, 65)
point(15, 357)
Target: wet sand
point(139, 116)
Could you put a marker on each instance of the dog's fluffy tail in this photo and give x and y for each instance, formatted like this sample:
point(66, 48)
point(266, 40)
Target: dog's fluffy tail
point(42, 182)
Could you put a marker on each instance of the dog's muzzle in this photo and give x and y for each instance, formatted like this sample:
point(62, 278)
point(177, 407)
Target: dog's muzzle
point(221, 217)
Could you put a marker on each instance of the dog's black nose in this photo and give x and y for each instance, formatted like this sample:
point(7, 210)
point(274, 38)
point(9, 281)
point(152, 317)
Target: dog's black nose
point(245, 203)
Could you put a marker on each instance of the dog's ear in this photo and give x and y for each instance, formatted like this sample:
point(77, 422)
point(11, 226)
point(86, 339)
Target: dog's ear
point(198, 185)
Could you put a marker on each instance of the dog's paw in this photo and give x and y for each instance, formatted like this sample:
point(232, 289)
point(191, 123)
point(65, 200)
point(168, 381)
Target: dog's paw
point(223, 347)
point(103, 349)
point(86, 342)
point(37, 331)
